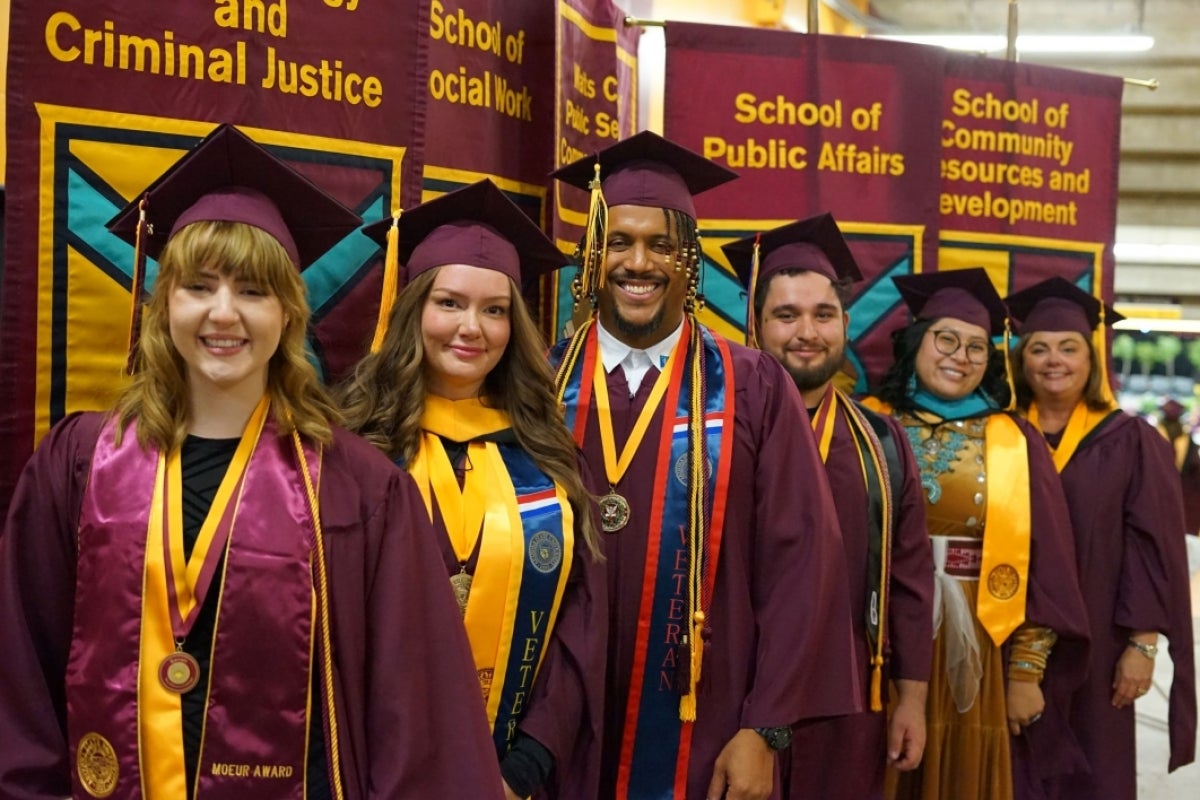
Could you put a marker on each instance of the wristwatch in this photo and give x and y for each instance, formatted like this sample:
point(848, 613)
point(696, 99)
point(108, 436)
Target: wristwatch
point(1148, 650)
point(777, 738)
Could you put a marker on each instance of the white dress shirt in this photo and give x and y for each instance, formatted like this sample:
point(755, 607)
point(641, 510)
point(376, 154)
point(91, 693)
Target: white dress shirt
point(635, 363)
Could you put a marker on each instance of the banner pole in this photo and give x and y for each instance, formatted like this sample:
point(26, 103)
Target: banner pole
point(634, 22)
point(814, 16)
point(1010, 49)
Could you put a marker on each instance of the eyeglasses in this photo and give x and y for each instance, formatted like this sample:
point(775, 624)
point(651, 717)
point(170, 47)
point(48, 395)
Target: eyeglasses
point(947, 343)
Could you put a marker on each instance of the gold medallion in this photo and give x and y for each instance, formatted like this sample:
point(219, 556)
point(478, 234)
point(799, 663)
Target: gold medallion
point(461, 584)
point(1003, 581)
point(179, 672)
point(614, 512)
point(96, 763)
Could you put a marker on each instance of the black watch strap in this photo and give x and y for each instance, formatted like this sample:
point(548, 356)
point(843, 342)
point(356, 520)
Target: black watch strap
point(776, 738)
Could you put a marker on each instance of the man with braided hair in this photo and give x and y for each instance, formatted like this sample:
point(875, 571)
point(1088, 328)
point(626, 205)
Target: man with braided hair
point(799, 278)
point(730, 618)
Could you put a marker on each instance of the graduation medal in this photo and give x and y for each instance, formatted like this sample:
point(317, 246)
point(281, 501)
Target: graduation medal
point(96, 763)
point(460, 583)
point(179, 672)
point(614, 512)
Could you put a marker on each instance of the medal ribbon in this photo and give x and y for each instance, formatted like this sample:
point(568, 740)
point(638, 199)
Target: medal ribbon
point(1082, 422)
point(823, 422)
point(615, 465)
point(188, 582)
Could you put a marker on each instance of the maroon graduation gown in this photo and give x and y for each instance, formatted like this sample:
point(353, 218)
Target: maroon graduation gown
point(781, 637)
point(845, 757)
point(409, 711)
point(1126, 511)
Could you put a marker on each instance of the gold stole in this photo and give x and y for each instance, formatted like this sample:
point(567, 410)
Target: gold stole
point(160, 712)
point(1083, 421)
point(1008, 527)
point(487, 501)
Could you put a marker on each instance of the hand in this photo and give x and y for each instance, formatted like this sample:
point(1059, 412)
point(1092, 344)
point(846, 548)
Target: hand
point(1024, 704)
point(745, 769)
point(509, 794)
point(1132, 677)
point(906, 728)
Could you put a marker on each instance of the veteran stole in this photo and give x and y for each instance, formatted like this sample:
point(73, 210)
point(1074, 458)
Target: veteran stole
point(656, 743)
point(124, 725)
point(525, 552)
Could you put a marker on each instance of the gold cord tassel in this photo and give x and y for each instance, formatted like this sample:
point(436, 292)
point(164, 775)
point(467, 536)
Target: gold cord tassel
point(391, 282)
point(751, 322)
point(877, 683)
point(136, 289)
point(595, 244)
point(692, 654)
point(1100, 348)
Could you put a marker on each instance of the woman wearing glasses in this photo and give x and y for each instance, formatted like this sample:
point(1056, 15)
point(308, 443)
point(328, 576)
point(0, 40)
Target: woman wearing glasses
point(1009, 623)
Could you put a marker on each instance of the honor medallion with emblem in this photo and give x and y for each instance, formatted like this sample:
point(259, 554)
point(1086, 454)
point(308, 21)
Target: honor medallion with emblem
point(614, 512)
point(96, 764)
point(179, 672)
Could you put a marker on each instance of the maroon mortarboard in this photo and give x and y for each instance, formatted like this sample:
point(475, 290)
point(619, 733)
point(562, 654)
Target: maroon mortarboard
point(228, 177)
point(648, 170)
point(1056, 304)
point(965, 294)
point(815, 244)
point(476, 225)
point(1171, 409)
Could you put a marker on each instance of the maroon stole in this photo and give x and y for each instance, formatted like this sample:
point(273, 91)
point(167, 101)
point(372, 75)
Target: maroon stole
point(124, 728)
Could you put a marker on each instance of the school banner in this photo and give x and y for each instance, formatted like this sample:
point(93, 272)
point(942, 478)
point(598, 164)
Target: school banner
point(595, 105)
point(489, 90)
point(105, 95)
point(812, 124)
point(1029, 173)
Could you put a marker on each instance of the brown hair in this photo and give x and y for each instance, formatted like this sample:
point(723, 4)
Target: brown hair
point(158, 396)
point(383, 399)
point(1093, 391)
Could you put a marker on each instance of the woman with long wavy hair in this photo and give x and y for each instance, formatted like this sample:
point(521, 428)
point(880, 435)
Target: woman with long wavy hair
point(458, 393)
point(198, 588)
point(1129, 533)
point(1010, 630)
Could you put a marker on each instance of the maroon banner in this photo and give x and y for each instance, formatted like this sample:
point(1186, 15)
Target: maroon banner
point(103, 96)
point(489, 90)
point(1029, 172)
point(596, 104)
point(812, 124)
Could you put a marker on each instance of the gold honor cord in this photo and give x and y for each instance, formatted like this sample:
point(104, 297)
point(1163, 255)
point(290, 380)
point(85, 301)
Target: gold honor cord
point(614, 508)
point(314, 506)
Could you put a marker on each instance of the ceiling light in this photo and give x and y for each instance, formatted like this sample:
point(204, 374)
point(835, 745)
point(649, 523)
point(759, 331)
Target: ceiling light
point(1147, 324)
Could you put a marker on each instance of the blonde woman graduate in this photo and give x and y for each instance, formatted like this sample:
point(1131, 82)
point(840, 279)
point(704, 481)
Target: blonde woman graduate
point(458, 393)
point(213, 591)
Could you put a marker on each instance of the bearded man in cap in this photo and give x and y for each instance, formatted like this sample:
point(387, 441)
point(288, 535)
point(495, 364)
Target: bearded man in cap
point(799, 278)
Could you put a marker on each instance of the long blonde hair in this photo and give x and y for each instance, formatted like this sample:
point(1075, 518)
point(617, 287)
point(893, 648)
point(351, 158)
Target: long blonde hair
point(383, 400)
point(158, 396)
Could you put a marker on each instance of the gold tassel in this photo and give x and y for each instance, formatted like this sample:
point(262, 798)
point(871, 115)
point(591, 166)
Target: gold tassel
point(595, 246)
point(391, 282)
point(877, 683)
point(139, 285)
point(1008, 373)
point(1100, 348)
point(751, 322)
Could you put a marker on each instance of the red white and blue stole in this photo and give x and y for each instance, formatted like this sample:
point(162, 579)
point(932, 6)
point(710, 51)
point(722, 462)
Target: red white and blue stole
point(656, 741)
point(523, 525)
point(124, 726)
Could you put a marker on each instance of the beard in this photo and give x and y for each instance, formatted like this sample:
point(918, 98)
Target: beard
point(814, 377)
point(635, 330)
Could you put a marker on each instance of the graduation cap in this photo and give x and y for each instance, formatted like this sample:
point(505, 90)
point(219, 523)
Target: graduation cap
point(1171, 410)
point(1056, 304)
point(476, 225)
point(647, 170)
point(814, 244)
point(227, 177)
point(965, 294)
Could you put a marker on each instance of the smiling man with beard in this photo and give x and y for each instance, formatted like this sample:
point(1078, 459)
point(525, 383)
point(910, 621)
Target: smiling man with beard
point(729, 614)
point(799, 283)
